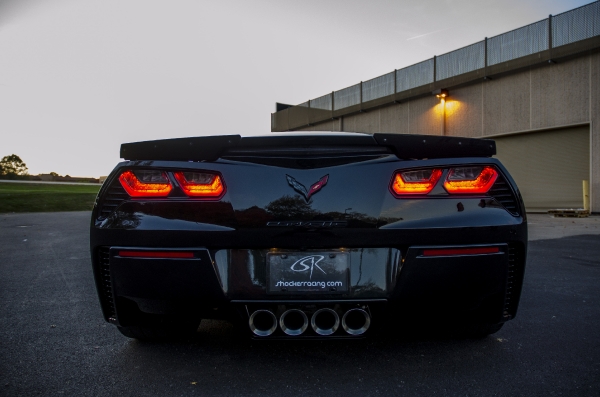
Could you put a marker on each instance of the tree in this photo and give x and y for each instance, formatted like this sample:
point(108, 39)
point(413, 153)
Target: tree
point(12, 165)
point(290, 207)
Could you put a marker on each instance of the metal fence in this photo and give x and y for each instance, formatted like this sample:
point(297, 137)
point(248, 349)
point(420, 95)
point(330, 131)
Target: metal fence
point(569, 27)
point(323, 102)
point(347, 97)
point(518, 43)
point(416, 75)
point(461, 61)
point(378, 87)
point(575, 25)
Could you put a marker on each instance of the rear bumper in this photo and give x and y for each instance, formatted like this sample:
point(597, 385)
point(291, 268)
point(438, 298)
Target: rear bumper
point(219, 280)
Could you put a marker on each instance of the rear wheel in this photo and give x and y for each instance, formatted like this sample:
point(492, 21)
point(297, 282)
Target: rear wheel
point(164, 330)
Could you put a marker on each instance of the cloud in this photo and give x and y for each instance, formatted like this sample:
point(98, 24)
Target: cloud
point(426, 34)
point(12, 10)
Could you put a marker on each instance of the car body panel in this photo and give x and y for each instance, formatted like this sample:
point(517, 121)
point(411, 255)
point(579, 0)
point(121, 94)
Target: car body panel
point(265, 212)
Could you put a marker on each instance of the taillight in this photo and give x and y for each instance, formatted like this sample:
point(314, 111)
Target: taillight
point(146, 183)
point(200, 184)
point(470, 179)
point(460, 251)
point(157, 254)
point(416, 182)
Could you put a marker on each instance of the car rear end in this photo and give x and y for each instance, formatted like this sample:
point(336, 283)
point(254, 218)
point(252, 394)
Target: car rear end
point(309, 236)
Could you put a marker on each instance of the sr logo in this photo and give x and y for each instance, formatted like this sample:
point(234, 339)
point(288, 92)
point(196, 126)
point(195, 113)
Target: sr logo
point(308, 262)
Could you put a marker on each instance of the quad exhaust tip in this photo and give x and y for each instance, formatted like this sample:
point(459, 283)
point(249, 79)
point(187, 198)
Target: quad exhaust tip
point(325, 321)
point(293, 322)
point(263, 322)
point(356, 321)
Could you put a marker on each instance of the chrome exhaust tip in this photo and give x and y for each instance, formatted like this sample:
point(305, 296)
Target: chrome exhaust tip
point(293, 322)
point(356, 321)
point(325, 321)
point(262, 322)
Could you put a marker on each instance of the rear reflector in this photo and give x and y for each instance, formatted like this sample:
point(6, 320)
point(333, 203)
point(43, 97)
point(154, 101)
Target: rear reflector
point(416, 182)
point(200, 184)
point(157, 254)
point(460, 251)
point(145, 183)
point(470, 179)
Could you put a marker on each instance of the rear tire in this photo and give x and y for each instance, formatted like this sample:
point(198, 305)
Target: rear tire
point(165, 330)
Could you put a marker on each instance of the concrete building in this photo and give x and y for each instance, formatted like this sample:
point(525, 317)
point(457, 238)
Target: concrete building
point(534, 90)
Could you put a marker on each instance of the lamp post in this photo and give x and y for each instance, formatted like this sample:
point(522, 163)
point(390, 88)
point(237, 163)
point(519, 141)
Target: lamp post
point(443, 94)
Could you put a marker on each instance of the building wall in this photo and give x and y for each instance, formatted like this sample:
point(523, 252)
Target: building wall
point(548, 166)
point(550, 96)
point(594, 107)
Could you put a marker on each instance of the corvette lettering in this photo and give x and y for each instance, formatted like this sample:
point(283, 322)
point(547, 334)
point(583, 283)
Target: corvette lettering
point(308, 223)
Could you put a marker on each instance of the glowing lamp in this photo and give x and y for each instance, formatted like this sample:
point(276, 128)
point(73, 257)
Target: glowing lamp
point(442, 94)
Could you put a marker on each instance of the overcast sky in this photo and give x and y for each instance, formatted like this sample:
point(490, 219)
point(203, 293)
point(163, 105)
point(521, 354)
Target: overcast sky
point(80, 77)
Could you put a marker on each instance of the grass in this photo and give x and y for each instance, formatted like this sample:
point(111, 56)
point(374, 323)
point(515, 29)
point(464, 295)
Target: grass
point(25, 197)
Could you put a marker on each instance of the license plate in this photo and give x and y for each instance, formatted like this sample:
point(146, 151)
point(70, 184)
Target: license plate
point(309, 271)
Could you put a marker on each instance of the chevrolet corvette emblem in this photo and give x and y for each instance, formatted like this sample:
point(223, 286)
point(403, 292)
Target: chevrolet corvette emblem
point(315, 187)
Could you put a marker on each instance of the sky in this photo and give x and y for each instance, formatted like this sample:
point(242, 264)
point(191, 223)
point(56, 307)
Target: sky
point(80, 77)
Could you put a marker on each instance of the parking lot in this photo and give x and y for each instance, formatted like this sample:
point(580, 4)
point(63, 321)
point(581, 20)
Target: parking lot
point(53, 340)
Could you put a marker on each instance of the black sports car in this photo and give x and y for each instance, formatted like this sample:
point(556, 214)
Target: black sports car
point(313, 235)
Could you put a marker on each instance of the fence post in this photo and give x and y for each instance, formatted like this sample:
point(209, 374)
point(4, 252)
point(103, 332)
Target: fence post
point(332, 104)
point(485, 59)
point(395, 84)
point(361, 96)
point(550, 44)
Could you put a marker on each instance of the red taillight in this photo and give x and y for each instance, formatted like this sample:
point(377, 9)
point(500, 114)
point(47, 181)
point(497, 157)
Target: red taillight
point(200, 184)
point(157, 254)
point(470, 179)
point(416, 182)
point(460, 251)
point(145, 183)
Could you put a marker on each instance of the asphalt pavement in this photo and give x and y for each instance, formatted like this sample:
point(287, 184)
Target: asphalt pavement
point(53, 340)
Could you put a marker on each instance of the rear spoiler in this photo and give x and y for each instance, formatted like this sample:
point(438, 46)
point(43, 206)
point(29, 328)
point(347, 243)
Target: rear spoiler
point(210, 148)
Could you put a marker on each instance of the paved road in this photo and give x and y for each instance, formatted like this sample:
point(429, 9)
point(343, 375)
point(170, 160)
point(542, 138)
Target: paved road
point(54, 342)
point(544, 226)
